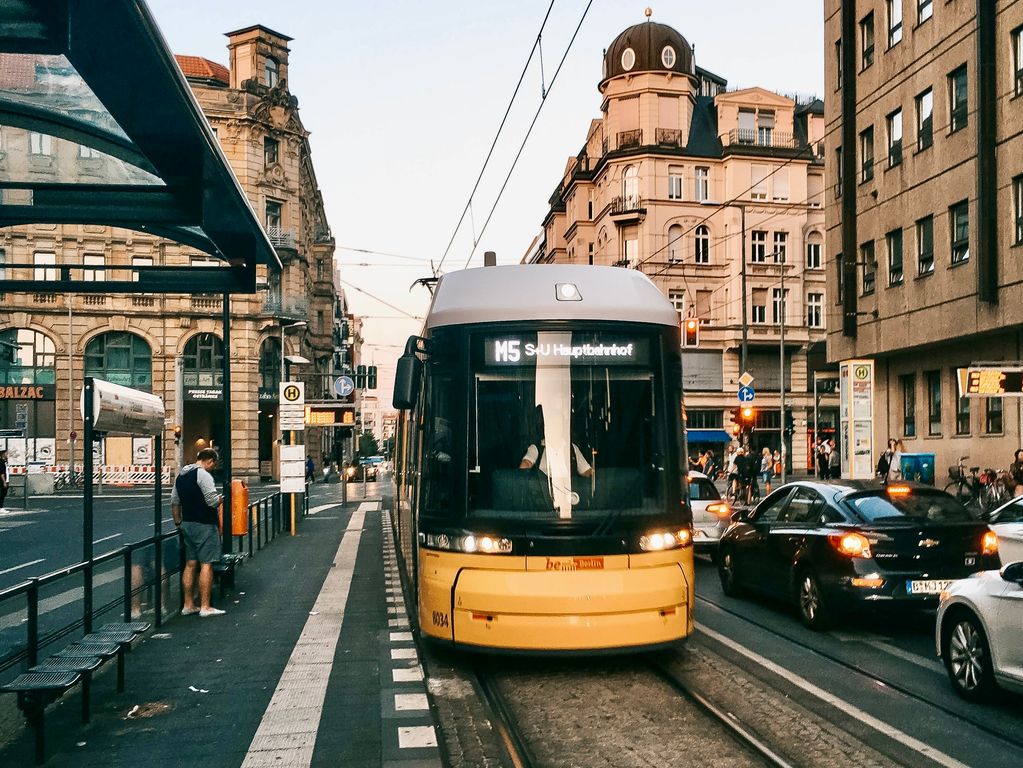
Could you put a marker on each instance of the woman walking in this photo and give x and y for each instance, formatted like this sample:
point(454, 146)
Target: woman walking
point(1016, 472)
point(766, 468)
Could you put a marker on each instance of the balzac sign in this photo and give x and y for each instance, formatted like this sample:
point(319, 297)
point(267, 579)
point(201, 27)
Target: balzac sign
point(28, 391)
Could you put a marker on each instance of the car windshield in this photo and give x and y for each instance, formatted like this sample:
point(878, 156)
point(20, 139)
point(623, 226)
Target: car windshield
point(1013, 513)
point(702, 490)
point(915, 506)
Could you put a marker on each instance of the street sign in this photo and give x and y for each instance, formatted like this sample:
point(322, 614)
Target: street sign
point(991, 381)
point(292, 405)
point(745, 380)
point(746, 394)
point(344, 386)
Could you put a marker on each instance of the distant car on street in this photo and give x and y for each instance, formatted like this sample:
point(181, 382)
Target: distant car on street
point(711, 514)
point(835, 546)
point(1007, 523)
point(978, 633)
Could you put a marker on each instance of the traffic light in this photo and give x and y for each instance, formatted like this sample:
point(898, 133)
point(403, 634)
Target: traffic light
point(177, 434)
point(691, 333)
point(747, 415)
point(790, 424)
point(372, 377)
point(360, 377)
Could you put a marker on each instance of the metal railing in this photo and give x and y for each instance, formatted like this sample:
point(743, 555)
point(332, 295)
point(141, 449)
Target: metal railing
point(626, 204)
point(669, 137)
point(281, 237)
point(756, 137)
point(633, 138)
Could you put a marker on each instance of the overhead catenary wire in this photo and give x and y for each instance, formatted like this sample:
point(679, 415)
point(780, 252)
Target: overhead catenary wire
point(357, 289)
point(529, 131)
point(497, 136)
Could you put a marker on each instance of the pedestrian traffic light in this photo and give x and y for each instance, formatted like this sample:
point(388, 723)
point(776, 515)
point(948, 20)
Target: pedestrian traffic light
point(360, 377)
point(372, 377)
point(790, 424)
point(691, 333)
point(177, 434)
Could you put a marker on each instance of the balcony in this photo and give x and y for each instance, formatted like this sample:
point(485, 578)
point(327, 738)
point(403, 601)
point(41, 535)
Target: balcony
point(143, 301)
point(757, 139)
point(627, 209)
point(669, 137)
point(206, 303)
point(94, 300)
point(281, 237)
point(630, 139)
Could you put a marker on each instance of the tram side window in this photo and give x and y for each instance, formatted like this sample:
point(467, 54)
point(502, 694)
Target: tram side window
point(438, 450)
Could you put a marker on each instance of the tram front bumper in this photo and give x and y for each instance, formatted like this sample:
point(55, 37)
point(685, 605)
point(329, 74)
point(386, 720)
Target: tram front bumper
point(575, 610)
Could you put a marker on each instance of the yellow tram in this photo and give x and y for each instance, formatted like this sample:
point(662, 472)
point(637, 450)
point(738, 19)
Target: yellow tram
point(540, 503)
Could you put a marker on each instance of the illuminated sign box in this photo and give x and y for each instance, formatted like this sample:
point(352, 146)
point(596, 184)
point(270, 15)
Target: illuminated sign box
point(561, 349)
point(991, 381)
point(329, 416)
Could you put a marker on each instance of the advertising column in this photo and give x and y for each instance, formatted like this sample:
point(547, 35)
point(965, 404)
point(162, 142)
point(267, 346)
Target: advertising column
point(856, 384)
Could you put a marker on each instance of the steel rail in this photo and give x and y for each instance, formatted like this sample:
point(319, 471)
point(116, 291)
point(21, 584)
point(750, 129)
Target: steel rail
point(503, 721)
point(886, 681)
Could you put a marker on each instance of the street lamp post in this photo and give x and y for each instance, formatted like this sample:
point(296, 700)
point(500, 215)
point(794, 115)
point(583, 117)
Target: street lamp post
point(742, 272)
point(781, 352)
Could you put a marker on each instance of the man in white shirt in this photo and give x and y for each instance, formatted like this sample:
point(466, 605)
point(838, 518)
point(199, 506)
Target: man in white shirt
point(529, 460)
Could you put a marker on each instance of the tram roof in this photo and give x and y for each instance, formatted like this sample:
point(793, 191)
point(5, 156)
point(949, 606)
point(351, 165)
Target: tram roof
point(528, 292)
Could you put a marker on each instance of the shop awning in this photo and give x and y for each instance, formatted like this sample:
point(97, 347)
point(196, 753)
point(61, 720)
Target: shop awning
point(101, 128)
point(708, 436)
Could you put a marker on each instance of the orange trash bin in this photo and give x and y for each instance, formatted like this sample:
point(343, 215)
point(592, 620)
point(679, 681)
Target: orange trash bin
point(239, 509)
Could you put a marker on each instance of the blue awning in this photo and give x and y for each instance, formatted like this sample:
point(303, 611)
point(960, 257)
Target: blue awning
point(708, 436)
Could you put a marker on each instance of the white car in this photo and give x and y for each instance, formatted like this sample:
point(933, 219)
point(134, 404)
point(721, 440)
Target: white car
point(711, 513)
point(978, 632)
point(1007, 523)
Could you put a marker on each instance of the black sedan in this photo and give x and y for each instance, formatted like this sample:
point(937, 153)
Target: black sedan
point(830, 547)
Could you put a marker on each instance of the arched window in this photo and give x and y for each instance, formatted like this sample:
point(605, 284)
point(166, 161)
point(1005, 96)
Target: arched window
point(270, 69)
point(630, 187)
point(675, 233)
point(26, 357)
point(701, 252)
point(120, 358)
point(270, 365)
point(204, 353)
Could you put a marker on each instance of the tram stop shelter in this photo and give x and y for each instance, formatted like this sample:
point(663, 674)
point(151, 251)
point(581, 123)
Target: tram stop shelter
point(100, 77)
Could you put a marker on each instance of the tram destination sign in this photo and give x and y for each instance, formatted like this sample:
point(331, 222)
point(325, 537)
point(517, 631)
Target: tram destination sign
point(535, 350)
point(991, 381)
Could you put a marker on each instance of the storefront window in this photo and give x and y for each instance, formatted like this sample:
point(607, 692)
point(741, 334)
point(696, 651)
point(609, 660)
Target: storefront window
point(120, 358)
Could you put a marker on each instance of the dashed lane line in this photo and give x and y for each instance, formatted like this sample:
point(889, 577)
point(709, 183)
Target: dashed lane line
point(23, 565)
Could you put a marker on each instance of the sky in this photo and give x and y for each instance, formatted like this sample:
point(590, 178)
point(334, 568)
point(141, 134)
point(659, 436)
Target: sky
point(403, 98)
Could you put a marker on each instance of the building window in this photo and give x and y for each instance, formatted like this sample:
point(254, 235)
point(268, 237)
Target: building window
point(31, 360)
point(959, 231)
point(271, 149)
point(957, 100)
point(765, 127)
point(925, 119)
point(758, 246)
point(813, 252)
point(894, 242)
point(815, 310)
point(270, 366)
point(1017, 206)
point(40, 143)
point(759, 306)
point(3, 261)
point(924, 10)
point(274, 214)
point(631, 248)
point(962, 411)
point(43, 272)
point(894, 22)
point(869, 261)
point(758, 181)
point(120, 358)
point(867, 154)
point(908, 384)
point(781, 185)
point(781, 244)
point(1017, 61)
point(93, 275)
point(747, 121)
point(705, 419)
point(933, 379)
point(701, 252)
point(838, 65)
point(630, 187)
point(271, 71)
point(895, 138)
point(925, 245)
point(838, 172)
point(702, 179)
point(675, 233)
point(840, 269)
point(140, 261)
point(993, 416)
point(867, 41)
point(674, 183)
point(204, 352)
point(678, 301)
point(778, 311)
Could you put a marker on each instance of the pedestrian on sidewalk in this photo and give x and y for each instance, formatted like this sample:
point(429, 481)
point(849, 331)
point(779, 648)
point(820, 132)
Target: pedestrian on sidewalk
point(1015, 472)
point(767, 468)
point(5, 482)
point(834, 461)
point(194, 503)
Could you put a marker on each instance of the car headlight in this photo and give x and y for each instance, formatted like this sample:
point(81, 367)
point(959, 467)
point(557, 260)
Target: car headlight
point(658, 541)
point(471, 543)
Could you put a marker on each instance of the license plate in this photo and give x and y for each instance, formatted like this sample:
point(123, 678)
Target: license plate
point(927, 586)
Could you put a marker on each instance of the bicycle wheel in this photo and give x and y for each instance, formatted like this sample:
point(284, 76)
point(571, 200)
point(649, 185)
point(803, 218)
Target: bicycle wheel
point(961, 492)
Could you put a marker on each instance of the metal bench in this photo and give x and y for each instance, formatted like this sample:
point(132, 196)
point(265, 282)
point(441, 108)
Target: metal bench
point(85, 665)
point(223, 569)
point(35, 690)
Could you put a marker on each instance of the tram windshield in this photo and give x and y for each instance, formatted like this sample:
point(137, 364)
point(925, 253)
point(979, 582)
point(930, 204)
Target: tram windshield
point(566, 425)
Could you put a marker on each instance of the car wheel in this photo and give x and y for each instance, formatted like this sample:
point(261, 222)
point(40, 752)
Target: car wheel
point(967, 657)
point(813, 609)
point(726, 572)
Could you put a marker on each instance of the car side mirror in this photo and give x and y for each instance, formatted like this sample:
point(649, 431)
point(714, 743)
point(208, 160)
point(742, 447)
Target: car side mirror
point(740, 516)
point(1013, 572)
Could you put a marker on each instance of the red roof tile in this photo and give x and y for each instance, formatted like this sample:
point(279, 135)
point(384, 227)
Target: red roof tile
point(203, 69)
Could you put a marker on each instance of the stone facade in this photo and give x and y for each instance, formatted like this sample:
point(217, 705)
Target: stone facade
point(662, 184)
point(256, 120)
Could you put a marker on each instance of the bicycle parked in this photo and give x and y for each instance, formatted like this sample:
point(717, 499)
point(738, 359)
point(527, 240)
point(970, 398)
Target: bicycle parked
point(69, 479)
point(984, 491)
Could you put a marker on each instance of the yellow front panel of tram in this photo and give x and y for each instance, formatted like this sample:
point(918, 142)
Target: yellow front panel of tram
point(556, 603)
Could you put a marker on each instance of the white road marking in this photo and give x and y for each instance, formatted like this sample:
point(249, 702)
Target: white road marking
point(106, 538)
point(401, 637)
point(23, 565)
point(841, 704)
point(416, 737)
point(407, 675)
point(320, 507)
point(61, 599)
point(403, 653)
point(297, 703)
point(912, 658)
point(404, 702)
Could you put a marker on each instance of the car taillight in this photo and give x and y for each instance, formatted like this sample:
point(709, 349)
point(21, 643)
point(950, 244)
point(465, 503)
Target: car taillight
point(851, 544)
point(721, 510)
point(989, 544)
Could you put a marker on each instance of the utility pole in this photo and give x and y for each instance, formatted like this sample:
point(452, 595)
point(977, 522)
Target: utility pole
point(781, 348)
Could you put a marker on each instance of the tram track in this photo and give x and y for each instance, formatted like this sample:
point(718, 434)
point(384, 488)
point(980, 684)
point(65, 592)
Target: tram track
point(887, 681)
point(503, 721)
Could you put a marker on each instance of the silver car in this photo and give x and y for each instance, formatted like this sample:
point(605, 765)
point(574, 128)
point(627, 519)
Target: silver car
point(711, 513)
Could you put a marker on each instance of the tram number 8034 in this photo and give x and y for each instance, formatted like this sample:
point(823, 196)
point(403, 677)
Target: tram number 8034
point(440, 619)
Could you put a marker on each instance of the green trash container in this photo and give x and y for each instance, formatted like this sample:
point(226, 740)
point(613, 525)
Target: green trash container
point(918, 467)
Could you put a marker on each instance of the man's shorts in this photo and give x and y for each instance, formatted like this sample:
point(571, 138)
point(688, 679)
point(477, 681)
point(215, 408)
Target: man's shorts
point(202, 541)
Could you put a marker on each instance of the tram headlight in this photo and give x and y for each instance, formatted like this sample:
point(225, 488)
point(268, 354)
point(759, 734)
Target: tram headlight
point(659, 541)
point(470, 543)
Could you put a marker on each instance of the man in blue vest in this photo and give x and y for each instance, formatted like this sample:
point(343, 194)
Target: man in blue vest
point(194, 505)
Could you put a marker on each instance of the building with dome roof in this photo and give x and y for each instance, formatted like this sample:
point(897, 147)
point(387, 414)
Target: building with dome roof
point(666, 178)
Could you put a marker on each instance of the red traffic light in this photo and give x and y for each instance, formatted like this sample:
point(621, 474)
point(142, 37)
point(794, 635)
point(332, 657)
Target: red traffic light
point(691, 333)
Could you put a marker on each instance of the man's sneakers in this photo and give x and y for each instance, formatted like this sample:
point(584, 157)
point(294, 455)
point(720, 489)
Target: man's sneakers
point(189, 611)
point(211, 611)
